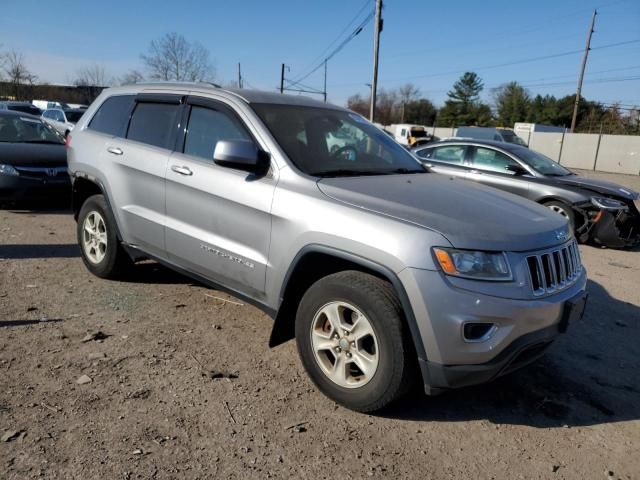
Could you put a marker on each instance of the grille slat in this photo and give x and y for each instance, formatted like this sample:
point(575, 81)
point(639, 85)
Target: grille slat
point(554, 270)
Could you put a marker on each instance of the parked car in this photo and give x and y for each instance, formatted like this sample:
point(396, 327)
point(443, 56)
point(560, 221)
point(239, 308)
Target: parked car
point(374, 265)
point(47, 104)
point(33, 161)
point(602, 211)
point(63, 120)
point(24, 107)
point(505, 135)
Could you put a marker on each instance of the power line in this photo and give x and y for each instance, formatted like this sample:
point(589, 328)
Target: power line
point(517, 62)
point(321, 56)
point(335, 51)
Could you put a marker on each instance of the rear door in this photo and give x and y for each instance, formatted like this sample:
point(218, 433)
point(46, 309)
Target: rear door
point(138, 169)
point(218, 218)
point(489, 167)
point(446, 159)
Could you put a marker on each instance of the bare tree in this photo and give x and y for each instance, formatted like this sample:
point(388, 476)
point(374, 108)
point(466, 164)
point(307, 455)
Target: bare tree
point(172, 57)
point(408, 93)
point(18, 74)
point(92, 76)
point(132, 76)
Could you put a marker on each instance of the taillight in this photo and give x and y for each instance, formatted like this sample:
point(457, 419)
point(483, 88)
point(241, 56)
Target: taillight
point(67, 140)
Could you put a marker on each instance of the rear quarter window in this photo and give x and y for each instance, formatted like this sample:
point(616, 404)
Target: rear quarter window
point(113, 115)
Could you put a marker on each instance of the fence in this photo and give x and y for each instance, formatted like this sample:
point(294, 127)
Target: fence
point(588, 151)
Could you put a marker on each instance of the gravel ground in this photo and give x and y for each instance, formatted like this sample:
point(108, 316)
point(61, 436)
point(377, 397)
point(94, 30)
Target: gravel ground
point(181, 384)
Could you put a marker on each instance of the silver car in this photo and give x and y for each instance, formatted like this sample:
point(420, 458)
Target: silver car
point(63, 120)
point(382, 271)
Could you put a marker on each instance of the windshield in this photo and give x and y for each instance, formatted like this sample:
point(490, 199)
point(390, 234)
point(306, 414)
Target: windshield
point(326, 142)
point(511, 137)
point(542, 164)
point(73, 117)
point(27, 130)
point(418, 133)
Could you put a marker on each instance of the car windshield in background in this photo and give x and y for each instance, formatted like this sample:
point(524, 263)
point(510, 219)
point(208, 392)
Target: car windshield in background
point(324, 142)
point(73, 117)
point(25, 109)
point(510, 137)
point(27, 130)
point(542, 164)
point(418, 133)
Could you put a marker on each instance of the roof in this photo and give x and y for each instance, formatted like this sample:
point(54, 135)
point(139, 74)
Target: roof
point(248, 95)
point(511, 147)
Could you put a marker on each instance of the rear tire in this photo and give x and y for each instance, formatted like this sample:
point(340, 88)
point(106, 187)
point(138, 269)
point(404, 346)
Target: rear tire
point(353, 341)
point(100, 247)
point(563, 209)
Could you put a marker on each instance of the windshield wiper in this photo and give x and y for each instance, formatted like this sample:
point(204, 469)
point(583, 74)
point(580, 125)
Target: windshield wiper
point(345, 172)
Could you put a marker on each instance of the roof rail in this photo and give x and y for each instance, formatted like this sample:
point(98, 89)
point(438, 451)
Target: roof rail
point(171, 82)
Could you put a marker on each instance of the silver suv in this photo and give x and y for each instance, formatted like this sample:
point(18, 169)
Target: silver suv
point(381, 270)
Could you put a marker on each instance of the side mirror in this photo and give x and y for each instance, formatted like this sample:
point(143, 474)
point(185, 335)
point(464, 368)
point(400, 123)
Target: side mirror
point(241, 154)
point(516, 169)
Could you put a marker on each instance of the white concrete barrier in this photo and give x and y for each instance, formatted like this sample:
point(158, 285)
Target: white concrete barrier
point(619, 154)
point(579, 150)
point(549, 144)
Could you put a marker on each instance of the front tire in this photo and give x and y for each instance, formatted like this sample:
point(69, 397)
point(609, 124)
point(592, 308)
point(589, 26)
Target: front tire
point(353, 341)
point(563, 209)
point(101, 251)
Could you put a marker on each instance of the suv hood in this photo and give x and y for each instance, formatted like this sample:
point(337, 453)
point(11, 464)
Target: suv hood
point(597, 186)
point(467, 214)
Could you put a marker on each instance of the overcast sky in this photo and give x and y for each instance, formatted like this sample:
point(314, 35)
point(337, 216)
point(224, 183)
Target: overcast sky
point(425, 42)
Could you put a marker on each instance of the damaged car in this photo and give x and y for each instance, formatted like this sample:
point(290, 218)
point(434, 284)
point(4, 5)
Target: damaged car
point(601, 212)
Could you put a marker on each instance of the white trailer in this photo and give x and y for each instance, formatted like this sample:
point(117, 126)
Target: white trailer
point(524, 130)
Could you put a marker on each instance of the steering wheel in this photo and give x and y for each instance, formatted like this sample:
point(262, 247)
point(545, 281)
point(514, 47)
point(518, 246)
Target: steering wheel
point(348, 152)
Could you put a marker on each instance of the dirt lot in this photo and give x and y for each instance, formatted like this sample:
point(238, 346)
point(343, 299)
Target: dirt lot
point(152, 409)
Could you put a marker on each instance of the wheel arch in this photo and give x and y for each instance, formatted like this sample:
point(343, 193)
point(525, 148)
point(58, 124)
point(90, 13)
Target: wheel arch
point(316, 261)
point(84, 186)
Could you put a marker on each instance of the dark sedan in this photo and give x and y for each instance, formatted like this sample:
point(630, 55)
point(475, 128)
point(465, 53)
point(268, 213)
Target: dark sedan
point(601, 211)
point(33, 159)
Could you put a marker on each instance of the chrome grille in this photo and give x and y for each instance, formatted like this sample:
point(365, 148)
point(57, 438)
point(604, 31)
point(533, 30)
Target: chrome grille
point(554, 270)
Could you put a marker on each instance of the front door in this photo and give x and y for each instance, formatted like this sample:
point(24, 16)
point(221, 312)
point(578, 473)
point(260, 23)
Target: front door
point(218, 218)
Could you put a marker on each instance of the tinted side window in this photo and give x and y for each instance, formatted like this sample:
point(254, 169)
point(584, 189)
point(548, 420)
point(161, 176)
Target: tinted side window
point(425, 153)
point(112, 116)
point(154, 123)
point(452, 154)
point(491, 160)
point(206, 127)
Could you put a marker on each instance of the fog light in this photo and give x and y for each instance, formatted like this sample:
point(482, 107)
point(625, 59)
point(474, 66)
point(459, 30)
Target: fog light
point(478, 332)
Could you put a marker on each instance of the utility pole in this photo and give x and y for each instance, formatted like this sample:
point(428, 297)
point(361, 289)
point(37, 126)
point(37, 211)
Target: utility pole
point(582, 67)
point(325, 80)
point(376, 45)
point(239, 76)
point(282, 80)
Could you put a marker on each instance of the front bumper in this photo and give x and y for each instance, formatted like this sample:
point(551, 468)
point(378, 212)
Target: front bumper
point(17, 188)
point(617, 229)
point(524, 328)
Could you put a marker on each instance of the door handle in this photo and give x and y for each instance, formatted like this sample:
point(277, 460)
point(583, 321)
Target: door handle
point(115, 150)
point(430, 165)
point(473, 170)
point(181, 170)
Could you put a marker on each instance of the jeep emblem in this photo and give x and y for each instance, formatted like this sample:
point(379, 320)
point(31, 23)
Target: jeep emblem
point(562, 235)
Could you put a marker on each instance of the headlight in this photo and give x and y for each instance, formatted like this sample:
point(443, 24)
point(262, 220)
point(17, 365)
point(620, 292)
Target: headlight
point(476, 265)
point(8, 170)
point(607, 203)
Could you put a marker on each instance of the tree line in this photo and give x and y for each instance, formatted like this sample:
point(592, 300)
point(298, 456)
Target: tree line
point(511, 103)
